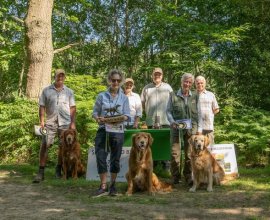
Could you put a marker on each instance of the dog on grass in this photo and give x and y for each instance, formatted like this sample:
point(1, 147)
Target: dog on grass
point(205, 168)
point(140, 176)
point(70, 152)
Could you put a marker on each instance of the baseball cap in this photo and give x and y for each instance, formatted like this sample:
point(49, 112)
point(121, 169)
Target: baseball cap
point(158, 70)
point(129, 80)
point(58, 71)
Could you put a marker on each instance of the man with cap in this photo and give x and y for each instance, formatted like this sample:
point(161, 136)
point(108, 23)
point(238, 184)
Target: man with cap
point(154, 99)
point(57, 102)
point(135, 104)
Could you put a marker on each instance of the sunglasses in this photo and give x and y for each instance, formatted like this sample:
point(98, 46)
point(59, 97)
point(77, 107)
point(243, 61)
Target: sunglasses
point(116, 80)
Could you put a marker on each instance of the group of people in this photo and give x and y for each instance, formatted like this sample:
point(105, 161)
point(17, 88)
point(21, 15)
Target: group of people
point(161, 104)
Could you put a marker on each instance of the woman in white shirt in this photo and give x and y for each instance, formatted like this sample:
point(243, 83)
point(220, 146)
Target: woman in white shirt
point(135, 104)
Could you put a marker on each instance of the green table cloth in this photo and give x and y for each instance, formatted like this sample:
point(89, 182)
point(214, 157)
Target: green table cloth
point(161, 149)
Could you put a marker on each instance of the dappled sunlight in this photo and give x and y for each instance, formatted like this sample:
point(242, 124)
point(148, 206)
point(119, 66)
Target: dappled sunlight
point(54, 210)
point(250, 211)
point(4, 174)
point(249, 184)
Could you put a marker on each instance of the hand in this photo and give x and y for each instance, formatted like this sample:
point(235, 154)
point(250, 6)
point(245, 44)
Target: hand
point(42, 125)
point(135, 125)
point(72, 126)
point(174, 125)
point(99, 120)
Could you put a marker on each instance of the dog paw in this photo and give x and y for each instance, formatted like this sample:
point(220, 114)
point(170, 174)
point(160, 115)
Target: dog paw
point(151, 193)
point(128, 194)
point(192, 190)
point(209, 189)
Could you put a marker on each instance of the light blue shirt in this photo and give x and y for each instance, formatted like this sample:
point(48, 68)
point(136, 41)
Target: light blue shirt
point(57, 104)
point(105, 101)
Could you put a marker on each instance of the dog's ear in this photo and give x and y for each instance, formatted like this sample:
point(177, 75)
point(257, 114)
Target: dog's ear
point(62, 134)
point(75, 134)
point(150, 139)
point(191, 140)
point(206, 141)
point(133, 139)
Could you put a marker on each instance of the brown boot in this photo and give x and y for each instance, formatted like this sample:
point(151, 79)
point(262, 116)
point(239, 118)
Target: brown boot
point(40, 176)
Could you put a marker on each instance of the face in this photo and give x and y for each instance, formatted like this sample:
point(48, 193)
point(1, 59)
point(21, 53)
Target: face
point(142, 140)
point(199, 142)
point(187, 84)
point(128, 86)
point(157, 77)
point(115, 81)
point(60, 79)
point(200, 85)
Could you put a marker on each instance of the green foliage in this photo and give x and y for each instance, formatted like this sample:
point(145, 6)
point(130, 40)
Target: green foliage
point(247, 128)
point(18, 143)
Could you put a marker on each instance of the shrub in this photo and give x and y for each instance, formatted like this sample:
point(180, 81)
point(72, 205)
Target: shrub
point(246, 127)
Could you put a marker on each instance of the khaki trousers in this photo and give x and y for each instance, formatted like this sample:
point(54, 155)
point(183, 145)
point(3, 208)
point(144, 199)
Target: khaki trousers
point(176, 155)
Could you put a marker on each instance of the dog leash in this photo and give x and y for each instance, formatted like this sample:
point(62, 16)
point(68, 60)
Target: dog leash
point(107, 144)
point(181, 145)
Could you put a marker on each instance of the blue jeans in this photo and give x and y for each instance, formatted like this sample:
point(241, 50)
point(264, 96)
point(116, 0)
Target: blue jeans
point(115, 144)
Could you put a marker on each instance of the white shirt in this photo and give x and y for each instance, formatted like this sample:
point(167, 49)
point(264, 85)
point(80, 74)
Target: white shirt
point(156, 101)
point(135, 106)
point(207, 103)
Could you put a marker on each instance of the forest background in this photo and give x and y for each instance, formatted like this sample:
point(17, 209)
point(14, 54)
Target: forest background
point(228, 42)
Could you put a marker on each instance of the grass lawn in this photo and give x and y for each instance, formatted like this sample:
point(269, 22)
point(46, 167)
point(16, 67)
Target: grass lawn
point(247, 197)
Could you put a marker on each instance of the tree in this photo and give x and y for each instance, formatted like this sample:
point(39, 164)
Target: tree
point(39, 46)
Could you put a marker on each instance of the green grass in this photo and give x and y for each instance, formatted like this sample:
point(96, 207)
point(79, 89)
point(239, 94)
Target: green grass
point(250, 191)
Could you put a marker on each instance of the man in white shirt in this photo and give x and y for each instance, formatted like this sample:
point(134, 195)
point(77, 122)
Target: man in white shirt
point(207, 108)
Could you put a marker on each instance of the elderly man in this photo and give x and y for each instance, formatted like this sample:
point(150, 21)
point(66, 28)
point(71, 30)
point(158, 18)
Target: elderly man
point(207, 108)
point(154, 98)
point(58, 103)
point(182, 106)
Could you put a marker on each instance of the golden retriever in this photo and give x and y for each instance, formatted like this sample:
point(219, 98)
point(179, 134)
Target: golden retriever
point(205, 168)
point(70, 152)
point(140, 176)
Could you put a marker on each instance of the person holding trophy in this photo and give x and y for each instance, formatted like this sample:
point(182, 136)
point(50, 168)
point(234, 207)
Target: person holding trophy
point(110, 111)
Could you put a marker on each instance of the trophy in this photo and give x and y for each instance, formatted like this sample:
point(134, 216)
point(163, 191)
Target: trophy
point(110, 116)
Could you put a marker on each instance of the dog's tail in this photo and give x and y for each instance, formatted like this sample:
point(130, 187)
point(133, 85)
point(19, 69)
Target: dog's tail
point(218, 174)
point(81, 170)
point(160, 186)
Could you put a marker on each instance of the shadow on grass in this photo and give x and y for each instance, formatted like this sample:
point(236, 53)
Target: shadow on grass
point(244, 198)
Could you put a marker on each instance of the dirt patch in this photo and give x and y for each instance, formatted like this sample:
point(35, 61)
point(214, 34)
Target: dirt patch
point(35, 201)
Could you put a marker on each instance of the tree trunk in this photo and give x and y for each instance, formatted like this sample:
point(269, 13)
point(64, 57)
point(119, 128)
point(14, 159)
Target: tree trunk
point(39, 46)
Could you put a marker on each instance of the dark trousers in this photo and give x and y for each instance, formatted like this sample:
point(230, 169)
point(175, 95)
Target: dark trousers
point(114, 144)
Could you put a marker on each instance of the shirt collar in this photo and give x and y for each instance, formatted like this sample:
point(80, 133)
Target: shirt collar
point(52, 86)
point(120, 90)
point(179, 93)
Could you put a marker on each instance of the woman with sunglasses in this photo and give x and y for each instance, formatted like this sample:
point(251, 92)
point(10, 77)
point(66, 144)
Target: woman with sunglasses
point(110, 138)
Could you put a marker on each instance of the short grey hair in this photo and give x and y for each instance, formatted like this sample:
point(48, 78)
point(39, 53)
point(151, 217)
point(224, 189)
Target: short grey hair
point(187, 76)
point(200, 78)
point(115, 72)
